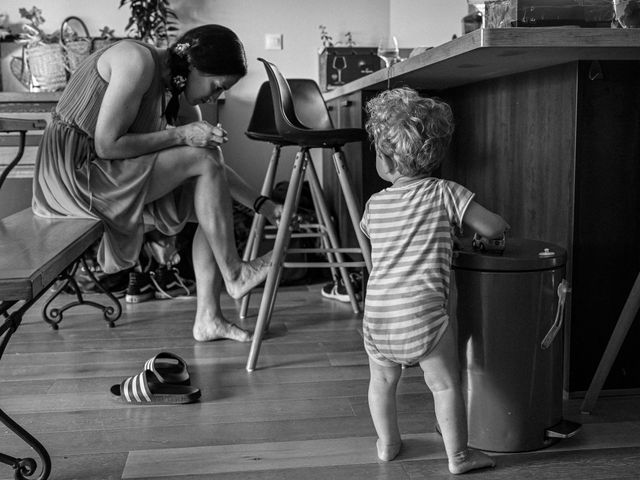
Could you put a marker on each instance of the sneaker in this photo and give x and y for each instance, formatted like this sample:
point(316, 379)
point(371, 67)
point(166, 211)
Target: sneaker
point(139, 289)
point(337, 291)
point(169, 284)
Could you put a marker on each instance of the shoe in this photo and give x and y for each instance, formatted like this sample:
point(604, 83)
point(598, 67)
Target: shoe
point(139, 289)
point(337, 291)
point(145, 389)
point(116, 283)
point(169, 284)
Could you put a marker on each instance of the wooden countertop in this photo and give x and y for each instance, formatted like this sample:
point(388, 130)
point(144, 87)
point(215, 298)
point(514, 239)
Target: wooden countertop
point(496, 52)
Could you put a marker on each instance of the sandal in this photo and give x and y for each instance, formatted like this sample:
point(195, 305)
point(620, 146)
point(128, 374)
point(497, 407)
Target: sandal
point(169, 368)
point(145, 389)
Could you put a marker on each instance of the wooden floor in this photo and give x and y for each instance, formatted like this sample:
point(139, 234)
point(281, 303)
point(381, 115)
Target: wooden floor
point(301, 415)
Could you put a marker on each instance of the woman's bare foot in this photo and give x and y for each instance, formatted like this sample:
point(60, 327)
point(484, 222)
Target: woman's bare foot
point(386, 453)
point(251, 274)
point(469, 459)
point(206, 331)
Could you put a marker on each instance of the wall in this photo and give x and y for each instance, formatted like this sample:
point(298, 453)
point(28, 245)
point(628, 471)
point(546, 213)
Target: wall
point(426, 23)
point(415, 22)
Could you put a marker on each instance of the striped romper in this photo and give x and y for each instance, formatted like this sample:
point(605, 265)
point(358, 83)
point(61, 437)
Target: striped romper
point(411, 247)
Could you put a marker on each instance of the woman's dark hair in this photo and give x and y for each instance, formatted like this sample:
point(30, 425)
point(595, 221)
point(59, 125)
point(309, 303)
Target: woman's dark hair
point(212, 49)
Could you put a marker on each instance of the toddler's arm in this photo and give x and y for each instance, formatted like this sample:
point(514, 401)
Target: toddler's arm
point(483, 221)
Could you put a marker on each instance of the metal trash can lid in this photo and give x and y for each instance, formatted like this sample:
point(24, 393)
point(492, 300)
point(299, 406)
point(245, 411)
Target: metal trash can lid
point(519, 255)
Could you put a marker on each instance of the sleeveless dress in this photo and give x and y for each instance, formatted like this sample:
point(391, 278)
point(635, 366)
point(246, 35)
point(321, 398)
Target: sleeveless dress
point(70, 180)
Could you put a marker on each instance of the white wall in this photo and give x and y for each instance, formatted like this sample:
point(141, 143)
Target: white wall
point(426, 23)
point(414, 22)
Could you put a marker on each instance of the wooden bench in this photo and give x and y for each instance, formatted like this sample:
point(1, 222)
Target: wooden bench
point(36, 252)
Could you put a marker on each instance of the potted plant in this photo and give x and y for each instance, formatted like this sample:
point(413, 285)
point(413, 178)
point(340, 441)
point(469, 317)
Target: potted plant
point(151, 21)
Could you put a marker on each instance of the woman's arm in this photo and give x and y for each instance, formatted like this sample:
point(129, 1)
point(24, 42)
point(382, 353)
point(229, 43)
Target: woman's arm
point(129, 69)
point(483, 221)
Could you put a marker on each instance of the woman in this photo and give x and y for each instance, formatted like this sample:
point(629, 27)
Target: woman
point(108, 154)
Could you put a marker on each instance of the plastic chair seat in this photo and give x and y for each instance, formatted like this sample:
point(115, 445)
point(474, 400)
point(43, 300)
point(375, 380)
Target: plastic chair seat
point(334, 138)
point(273, 138)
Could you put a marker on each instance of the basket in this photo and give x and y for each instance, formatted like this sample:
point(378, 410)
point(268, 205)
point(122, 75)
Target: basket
point(20, 70)
point(76, 48)
point(47, 66)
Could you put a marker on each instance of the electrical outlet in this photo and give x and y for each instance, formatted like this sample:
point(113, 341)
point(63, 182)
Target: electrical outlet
point(273, 41)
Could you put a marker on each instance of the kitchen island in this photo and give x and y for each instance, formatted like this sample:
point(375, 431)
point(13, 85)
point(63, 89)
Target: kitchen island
point(548, 135)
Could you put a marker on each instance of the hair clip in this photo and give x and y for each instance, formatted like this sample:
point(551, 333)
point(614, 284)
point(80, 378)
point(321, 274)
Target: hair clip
point(179, 82)
point(181, 49)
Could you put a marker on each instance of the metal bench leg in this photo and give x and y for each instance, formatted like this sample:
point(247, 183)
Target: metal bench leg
point(23, 467)
point(53, 316)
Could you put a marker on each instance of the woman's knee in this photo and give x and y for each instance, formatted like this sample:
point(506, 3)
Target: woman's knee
point(207, 161)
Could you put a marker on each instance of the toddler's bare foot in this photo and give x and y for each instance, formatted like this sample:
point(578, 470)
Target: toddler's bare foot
point(386, 453)
point(251, 274)
point(219, 329)
point(469, 459)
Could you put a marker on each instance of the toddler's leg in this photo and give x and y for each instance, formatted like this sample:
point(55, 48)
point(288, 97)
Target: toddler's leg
point(442, 376)
point(382, 404)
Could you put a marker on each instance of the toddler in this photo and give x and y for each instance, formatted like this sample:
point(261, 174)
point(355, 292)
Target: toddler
point(409, 225)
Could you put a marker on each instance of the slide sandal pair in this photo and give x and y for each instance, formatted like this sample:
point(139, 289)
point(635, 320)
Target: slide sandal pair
point(164, 381)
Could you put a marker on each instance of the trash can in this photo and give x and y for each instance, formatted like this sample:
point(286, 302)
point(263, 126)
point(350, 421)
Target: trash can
point(509, 310)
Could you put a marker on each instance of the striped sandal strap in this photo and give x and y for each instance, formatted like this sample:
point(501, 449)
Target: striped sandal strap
point(168, 368)
point(136, 389)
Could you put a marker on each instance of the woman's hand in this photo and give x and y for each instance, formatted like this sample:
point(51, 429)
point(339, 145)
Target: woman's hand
point(203, 134)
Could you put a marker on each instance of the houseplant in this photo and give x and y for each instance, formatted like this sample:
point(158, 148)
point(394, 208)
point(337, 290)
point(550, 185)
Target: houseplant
point(151, 21)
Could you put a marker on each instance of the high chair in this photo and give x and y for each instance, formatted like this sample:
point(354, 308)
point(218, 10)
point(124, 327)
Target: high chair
point(292, 130)
point(308, 101)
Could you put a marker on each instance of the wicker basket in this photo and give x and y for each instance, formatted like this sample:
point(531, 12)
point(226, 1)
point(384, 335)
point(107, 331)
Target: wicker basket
point(75, 41)
point(76, 52)
point(46, 63)
point(20, 70)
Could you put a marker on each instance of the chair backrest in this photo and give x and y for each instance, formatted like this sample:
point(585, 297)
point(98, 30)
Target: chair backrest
point(307, 100)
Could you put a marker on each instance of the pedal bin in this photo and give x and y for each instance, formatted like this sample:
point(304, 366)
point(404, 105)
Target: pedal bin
point(509, 310)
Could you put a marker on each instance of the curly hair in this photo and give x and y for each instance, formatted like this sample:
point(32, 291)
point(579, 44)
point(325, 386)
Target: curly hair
point(413, 131)
point(211, 49)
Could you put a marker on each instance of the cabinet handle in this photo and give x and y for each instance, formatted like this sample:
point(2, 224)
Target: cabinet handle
point(346, 103)
point(330, 108)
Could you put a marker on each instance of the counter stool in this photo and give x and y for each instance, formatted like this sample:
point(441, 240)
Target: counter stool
point(292, 130)
point(309, 103)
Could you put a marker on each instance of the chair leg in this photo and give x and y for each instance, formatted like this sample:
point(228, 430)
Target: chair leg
point(332, 234)
point(324, 238)
point(258, 222)
point(352, 204)
point(280, 245)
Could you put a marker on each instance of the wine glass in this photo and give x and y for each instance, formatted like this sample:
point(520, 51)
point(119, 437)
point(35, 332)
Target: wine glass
point(388, 50)
point(339, 64)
